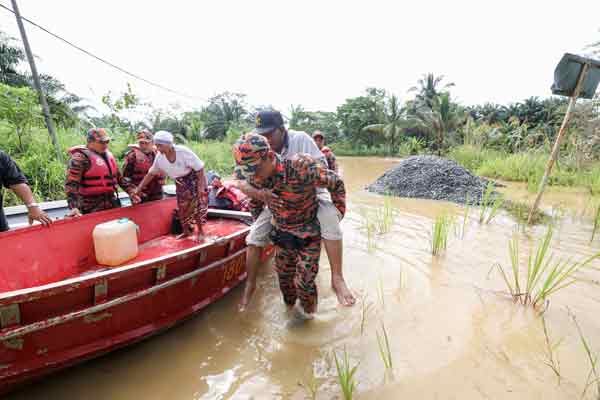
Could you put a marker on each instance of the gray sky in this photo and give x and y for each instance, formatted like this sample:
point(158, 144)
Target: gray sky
point(314, 53)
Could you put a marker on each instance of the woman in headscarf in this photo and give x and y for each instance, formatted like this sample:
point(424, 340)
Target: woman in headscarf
point(183, 165)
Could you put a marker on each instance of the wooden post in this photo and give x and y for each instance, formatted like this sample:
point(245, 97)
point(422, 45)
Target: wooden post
point(556, 147)
point(36, 82)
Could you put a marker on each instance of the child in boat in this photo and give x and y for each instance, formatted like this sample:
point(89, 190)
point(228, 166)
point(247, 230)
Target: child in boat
point(294, 204)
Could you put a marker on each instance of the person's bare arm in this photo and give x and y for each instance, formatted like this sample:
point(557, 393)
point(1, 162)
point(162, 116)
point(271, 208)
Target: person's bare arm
point(35, 213)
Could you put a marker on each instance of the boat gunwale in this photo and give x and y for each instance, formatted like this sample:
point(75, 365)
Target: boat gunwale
point(49, 289)
point(19, 331)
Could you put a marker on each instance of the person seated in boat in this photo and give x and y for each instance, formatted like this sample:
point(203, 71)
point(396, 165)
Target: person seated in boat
point(93, 177)
point(12, 178)
point(183, 165)
point(225, 195)
point(138, 161)
point(293, 202)
point(327, 152)
point(289, 143)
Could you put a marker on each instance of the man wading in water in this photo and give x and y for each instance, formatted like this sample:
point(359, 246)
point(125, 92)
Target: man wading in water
point(296, 232)
point(288, 144)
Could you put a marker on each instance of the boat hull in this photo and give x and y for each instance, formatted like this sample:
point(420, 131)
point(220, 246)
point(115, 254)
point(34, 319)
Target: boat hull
point(56, 325)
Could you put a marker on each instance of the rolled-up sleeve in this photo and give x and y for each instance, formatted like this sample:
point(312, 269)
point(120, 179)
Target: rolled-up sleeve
point(10, 172)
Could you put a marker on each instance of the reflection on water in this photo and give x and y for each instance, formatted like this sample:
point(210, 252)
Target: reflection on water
point(453, 333)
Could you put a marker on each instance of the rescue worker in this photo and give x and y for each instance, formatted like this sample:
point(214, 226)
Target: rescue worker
point(93, 177)
point(327, 152)
point(137, 163)
point(225, 196)
point(183, 165)
point(12, 178)
point(294, 204)
point(269, 123)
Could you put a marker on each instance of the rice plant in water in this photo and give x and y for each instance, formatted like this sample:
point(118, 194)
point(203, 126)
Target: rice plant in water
point(465, 216)
point(439, 234)
point(384, 348)
point(550, 352)
point(596, 223)
point(545, 275)
point(490, 204)
point(310, 385)
point(365, 309)
point(345, 374)
point(593, 377)
point(384, 216)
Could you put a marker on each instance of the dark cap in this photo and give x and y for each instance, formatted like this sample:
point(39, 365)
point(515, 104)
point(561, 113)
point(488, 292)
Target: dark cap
point(98, 135)
point(267, 121)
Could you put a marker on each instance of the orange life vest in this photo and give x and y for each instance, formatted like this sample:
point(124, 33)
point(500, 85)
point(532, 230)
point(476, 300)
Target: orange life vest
point(101, 177)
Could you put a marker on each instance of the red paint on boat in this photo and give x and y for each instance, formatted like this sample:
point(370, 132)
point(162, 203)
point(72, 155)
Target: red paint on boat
point(59, 307)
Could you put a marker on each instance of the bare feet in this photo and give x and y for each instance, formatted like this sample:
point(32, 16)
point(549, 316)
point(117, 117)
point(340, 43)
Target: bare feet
point(344, 296)
point(247, 296)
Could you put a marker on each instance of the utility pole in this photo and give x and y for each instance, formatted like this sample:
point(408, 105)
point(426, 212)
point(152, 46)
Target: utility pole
point(36, 81)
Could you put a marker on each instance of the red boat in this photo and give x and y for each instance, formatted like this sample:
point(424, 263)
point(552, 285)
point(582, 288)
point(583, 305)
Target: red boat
point(59, 307)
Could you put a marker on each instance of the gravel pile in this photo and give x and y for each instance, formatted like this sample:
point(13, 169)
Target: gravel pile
point(431, 177)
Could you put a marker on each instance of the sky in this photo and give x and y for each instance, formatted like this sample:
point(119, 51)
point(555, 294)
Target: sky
point(310, 53)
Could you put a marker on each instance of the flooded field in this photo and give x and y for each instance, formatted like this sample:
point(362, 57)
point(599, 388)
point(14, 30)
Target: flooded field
point(453, 331)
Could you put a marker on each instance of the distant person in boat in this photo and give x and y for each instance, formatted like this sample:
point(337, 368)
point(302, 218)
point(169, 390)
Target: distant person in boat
point(93, 177)
point(183, 165)
point(288, 144)
point(12, 178)
point(138, 161)
point(329, 156)
point(225, 195)
point(294, 204)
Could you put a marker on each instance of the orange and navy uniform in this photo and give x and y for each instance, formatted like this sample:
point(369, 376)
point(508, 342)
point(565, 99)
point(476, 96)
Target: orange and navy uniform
point(294, 212)
point(330, 158)
point(136, 166)
point(92, 181)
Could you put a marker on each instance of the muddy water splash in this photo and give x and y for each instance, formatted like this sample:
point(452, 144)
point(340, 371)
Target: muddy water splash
point(452, 331)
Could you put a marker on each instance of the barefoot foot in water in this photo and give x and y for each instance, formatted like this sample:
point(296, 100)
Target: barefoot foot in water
point(247, 296)
point(343, 293)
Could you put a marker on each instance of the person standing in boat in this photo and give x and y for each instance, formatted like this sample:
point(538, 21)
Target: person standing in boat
point(294, 204)
point(269, 123)
point(138, 161)
point(329, 156)
point(12, 178)
point(93, 177)
point(183, 165)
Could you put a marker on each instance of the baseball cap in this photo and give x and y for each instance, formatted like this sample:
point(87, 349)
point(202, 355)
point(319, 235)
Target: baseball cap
point(144, 136)
point(248, 152)
point(267, 121)
point(98, 135)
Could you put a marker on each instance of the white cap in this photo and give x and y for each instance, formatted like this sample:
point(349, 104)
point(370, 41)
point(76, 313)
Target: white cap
point(163, 137)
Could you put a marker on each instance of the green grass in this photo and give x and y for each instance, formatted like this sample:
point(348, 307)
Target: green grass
point(520, 211)
point(345, 374)
point(550, 352)
point(310, 385)
point(593, 377)
point(384, 348)
point(526, 167)
point(465, 216)
point(490, 204)
point(545, 275)
point(439, 233)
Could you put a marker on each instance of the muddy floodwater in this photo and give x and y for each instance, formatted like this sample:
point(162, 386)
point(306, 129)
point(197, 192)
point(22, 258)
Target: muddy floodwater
point(453, 332)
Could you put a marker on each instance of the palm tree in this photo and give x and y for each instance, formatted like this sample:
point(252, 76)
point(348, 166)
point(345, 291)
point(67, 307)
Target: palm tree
point(442, 118)
point(428, 88)
point(394, 121)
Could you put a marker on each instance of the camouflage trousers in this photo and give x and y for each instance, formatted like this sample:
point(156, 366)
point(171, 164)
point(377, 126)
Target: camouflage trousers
point(297, 270)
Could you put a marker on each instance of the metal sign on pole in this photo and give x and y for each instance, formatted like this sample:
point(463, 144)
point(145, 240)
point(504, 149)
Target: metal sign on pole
point(36, 82)
point(574, 76)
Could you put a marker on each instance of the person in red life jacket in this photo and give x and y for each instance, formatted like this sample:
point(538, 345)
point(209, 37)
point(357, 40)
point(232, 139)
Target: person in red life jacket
point(225, 196)
point(329, 156)
point(137, 163)
point(93, 177)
